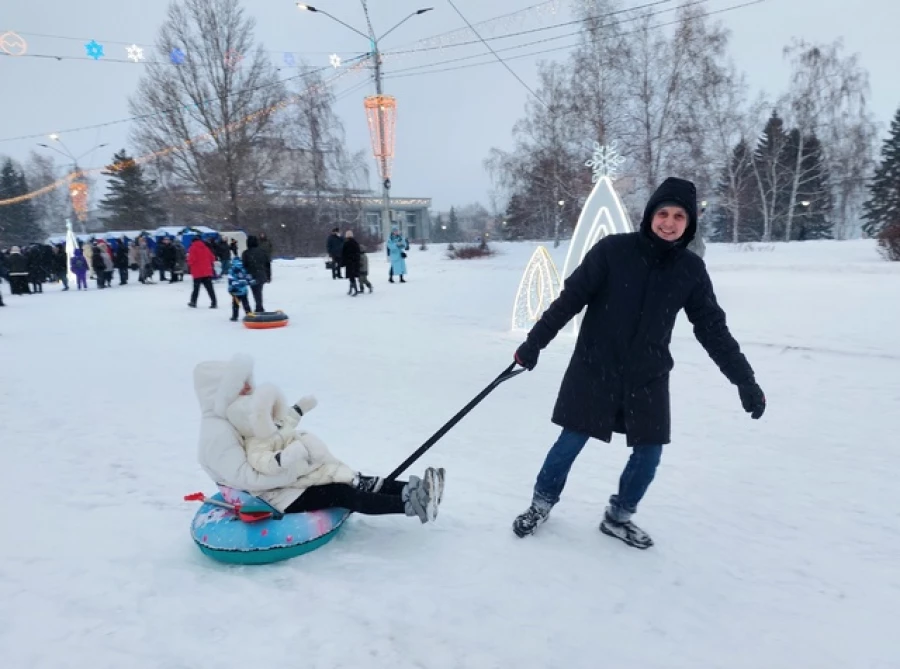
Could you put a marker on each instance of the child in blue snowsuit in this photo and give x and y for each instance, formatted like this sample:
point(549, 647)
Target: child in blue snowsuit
point(239, 283)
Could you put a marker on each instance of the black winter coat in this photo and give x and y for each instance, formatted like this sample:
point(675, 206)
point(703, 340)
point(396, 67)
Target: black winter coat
point(256, 264)
point(350, 254)
point(633, 285)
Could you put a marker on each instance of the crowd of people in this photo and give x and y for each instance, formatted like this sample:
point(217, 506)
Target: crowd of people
point(346, 253)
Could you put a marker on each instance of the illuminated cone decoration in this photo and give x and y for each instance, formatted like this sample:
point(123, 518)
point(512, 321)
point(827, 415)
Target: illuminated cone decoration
point(381, 113)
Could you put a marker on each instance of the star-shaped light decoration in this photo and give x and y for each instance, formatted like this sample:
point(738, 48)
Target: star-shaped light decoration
point(135, 53)
point(177, 56)
point(335, 60)
point(289, 59)
point(605, 161)
point(94, 49)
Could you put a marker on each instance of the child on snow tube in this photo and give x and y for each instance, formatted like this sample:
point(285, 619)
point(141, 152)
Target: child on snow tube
point(249, 441)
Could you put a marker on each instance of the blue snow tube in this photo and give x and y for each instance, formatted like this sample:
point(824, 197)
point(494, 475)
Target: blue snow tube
point(221, 535)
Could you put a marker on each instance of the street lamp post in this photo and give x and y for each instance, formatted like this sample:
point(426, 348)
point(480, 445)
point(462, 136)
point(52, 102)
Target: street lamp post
point(375, 54)
point(77, 187)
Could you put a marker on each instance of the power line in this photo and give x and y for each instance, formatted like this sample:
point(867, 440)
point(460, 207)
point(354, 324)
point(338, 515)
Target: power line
point(558, 37)
point(497, 56)
point(398, 74)
point(242, 91)
point(552, 27)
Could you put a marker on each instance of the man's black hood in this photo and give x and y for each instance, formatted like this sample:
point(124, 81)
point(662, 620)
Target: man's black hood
point(673, 191)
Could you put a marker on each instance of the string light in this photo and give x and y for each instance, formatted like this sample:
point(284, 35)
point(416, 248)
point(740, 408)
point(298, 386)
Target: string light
point(94, 50)
point(177, 56)
point(335, 60)
point(135, 53)
point(13, 44)
point(80, 174)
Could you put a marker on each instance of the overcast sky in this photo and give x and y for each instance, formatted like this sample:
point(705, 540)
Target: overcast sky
point(447, 121)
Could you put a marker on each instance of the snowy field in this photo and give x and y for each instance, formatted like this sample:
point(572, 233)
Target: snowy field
point(777, 541)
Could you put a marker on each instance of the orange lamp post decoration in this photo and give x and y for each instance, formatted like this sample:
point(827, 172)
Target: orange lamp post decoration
point(381, 113)
point(78, 191)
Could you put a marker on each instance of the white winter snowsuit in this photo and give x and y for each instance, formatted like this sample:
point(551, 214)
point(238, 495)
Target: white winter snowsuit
point(306, 460)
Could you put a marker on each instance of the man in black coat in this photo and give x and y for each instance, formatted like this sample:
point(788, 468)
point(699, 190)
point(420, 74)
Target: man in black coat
point(334, 247)
point(633, 286)
point(350, 257)
point(256, 264)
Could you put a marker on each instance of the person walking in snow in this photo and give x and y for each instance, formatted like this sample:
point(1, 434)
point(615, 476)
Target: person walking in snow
point(397, 247)
point(292, 482)
point(238, 287)
point(256, 264)
point(364, 271)
point(80, 267)
point(633, 286)
point(334, 246)
point(350, 254)
point(200, 263)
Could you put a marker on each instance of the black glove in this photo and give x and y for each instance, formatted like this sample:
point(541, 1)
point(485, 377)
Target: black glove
point(527, 356)
point(753, 398)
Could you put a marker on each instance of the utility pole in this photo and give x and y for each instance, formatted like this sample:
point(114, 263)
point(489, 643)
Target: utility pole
point(375, 54)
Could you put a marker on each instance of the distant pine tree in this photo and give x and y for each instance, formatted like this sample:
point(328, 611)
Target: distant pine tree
point(737, 198)
point(130, 202)
point(18, 222)
point(883, 206)
point(812, 218)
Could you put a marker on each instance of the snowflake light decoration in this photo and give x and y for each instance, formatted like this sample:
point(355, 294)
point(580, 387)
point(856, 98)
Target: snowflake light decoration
point(335, 60)
point(177, 56)
point(135, 53)
point(289, 59)
point(94, 49)
point(605, 161)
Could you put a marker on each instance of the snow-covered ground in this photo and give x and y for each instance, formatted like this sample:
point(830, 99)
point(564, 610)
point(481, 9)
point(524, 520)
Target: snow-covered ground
point(777, 541)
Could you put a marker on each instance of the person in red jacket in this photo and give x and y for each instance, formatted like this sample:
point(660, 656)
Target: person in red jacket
point(200, 261)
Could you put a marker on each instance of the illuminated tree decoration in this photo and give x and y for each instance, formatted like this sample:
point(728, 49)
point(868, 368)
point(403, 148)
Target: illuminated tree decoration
point(135, 53)
point(381, 112)
point(94, 49)
point(289, 59)
point(603, 213)
point(537, 289)
point(335, 60)
point(78, 191)
point(177, 56)
point(13, 44)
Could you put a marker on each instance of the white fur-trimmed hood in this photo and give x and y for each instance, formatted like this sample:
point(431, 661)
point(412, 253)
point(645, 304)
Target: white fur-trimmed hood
point(218, 383)
point(256, 415)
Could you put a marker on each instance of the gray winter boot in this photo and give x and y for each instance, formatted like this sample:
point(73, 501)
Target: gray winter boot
point(536, 514)
point(617, 523)
point(419, 497)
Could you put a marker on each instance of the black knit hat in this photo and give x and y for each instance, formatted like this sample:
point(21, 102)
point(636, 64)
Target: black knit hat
point(679, 192)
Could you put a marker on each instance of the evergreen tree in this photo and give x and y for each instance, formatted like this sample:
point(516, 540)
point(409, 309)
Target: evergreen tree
point(517, 223)
point(883, 205)
point(130, 202)
point(738, 200)
point(773, 177)
point(453, 232)
point(18, 223)
point(812, 218)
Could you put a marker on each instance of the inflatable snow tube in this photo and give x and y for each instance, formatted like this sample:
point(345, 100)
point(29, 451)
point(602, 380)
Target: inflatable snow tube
point(266, 320)
point(221, 535)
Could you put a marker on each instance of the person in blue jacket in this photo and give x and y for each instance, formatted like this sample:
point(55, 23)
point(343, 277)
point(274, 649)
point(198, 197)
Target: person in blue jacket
point(397, 247)
point(239, 283)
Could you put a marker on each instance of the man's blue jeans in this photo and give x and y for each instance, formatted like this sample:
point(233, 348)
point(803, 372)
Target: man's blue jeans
point(633, 484)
